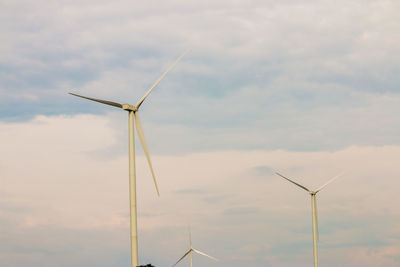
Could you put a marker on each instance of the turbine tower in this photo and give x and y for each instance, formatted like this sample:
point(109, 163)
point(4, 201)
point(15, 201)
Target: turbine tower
point(133, 111)
point(314, 211)
point(190, 252)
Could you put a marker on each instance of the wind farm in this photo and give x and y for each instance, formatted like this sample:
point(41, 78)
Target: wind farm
point(303, 88)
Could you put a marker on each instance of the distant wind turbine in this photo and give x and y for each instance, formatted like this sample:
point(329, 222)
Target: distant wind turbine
point(314, 211)
point(190, 252)
point(134, 113)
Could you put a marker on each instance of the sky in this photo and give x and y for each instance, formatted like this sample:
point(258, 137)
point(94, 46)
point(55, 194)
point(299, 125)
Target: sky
point(307, 88)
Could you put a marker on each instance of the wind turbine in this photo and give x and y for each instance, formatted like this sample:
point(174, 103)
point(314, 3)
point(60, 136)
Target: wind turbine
point(314, 211)
point(190, 252)
point(133, 111)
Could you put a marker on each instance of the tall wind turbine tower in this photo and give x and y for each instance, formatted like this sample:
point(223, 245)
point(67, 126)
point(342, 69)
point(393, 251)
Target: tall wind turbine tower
point(190, 252)
point(133, 111)
point(314, 211)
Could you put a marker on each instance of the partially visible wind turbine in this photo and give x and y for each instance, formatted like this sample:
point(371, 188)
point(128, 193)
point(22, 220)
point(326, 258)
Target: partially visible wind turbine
point(314, 211)
point(134, 115)
point(190, 252)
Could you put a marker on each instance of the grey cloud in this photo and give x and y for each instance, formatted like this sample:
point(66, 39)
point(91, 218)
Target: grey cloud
point(191, 191)
point(262, 170)
point(241, 211)
point(261, 75)
point(217, 198)
point(49, 246)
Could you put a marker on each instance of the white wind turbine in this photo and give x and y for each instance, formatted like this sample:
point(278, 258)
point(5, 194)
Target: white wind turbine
point(314, 211)
point(190, 251)
point(134, 113)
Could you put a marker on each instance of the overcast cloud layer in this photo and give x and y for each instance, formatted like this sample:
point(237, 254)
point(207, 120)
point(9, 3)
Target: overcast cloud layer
point(260, 70)
point(62, 204)
point(308, 88)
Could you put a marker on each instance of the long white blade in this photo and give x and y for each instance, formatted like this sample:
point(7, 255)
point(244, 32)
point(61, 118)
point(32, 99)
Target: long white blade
point(204, 254)
point(139, 103)
point(144, 145)
point(118, 105)
point(330, 181)
point(190, 237)
point(182, 257)
point(305, 188)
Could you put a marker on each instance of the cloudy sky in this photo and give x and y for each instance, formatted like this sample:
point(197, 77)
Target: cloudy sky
point(308, 88)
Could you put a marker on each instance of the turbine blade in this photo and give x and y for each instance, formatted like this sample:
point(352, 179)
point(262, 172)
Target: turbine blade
point(139, 103)
point(182, 257)
point(144, 145)
point(190, 237)
point(204, 254)
point(330, 181)
point(118, 105)
point(305, 188)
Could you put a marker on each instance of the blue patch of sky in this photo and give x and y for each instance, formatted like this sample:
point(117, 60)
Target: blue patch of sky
point(15, 110)
point(48, 75)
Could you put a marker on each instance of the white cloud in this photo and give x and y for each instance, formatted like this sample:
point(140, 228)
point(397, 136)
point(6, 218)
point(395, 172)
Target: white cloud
point(54, 188)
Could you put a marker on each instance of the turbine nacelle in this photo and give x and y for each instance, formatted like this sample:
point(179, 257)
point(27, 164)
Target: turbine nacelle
point(129, 107)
